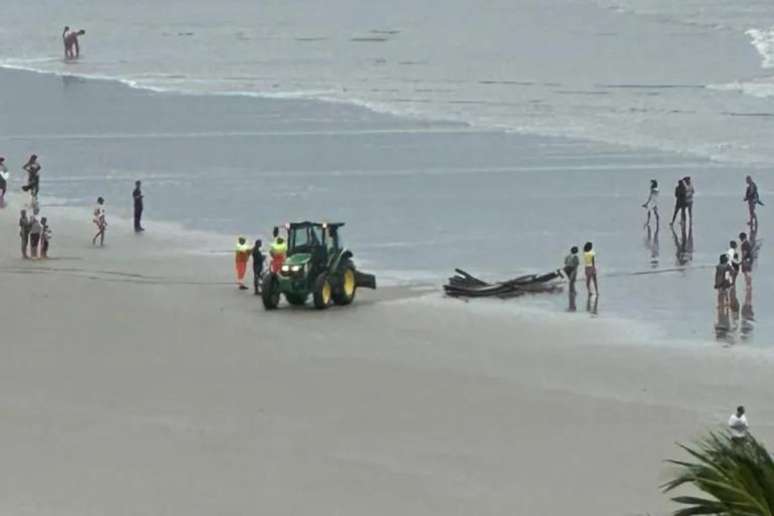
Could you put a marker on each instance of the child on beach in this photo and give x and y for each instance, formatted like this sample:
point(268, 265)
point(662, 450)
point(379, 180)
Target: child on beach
point(45, 237)
point(243, 251)
point(571, 264)
point(100, 220)
point(590, 261)
point(652, 203)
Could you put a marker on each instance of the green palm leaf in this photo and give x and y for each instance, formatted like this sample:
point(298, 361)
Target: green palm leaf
point(738, 478)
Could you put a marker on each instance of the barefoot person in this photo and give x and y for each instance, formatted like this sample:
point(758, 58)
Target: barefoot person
point(138, 207)
point(689, 192)
point(652, 203)
point(3, 181)
point(571, 264)
point(45, 237)
point(242, 255)
point(65, 33)
point(590, 262)
point(100, 220)
point(722, 279)
point(679, 202)
point(35, 230)
point(24, 232)
point(734, 260)
point(72, 47)
point(747, 258)
point(752, 198)
point(32, 167)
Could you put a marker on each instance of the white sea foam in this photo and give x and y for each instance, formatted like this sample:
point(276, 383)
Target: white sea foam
point(763, 41)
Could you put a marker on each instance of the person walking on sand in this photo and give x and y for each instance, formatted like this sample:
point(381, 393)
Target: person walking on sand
point(3, 181)
point(737, 425)
point(32, 167)
point(571, 264)
point(243, 251)
point(24, 232)
point(45, 238)
point(747, 258)
point(752, 198)
point(258, 261)
point(35, 230)
point(679, 202)
point(138, 207)
point(734, 260)
point(72, 47)
point(100, 220)
point(652, 203)
point(65, 33)
point(689, 191)
point(590, 262)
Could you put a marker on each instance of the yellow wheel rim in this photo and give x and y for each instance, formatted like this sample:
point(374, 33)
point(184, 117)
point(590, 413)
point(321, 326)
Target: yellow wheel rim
point(326, 292)
point(349, 283)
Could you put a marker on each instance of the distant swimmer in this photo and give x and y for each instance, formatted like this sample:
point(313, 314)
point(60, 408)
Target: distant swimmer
point(72, 47)
point(753, 199)
point(652, 203)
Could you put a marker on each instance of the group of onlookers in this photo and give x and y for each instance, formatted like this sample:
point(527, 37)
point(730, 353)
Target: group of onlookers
point(244, 252)
point(35, 235)
point(572, 263)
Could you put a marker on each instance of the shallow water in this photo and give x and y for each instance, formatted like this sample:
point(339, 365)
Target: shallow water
point(419, 198)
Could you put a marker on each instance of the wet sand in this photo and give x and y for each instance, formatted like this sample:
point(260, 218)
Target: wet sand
point(136, 379)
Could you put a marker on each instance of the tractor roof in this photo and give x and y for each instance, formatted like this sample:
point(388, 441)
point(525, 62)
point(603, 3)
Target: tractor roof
point(306, 224)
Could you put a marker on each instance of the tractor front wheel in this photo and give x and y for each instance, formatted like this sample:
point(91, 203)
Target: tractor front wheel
point(323, 292)
point(270, 292)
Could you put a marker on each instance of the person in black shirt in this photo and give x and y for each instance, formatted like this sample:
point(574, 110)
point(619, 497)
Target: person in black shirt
point(258, 259)
point(137, 195)
point(680, 202)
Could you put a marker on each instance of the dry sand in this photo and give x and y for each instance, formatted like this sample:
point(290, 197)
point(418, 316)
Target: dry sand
point(136, 379)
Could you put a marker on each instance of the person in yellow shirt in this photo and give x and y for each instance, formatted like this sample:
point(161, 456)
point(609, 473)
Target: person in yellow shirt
point(590, 261)
point(242, 254)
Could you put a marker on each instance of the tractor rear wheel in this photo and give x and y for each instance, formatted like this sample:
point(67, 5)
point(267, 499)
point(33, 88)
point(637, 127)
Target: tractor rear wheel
point(296, 299)
point(270, 293)
point(347, 288)
point(323, 292)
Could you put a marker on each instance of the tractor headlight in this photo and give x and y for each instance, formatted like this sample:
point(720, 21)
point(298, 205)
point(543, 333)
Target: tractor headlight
point(286, 268)
point(295, 268)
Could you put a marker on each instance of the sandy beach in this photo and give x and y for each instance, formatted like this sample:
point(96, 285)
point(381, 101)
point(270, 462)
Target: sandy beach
point(136, 379)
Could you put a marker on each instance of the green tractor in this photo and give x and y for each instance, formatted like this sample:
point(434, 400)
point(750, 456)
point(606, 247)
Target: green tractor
point(317, 266)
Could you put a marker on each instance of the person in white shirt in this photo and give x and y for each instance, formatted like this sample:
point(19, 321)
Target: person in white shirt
point(737, 425)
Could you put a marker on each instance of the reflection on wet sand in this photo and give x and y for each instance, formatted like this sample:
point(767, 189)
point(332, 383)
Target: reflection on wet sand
point(652, 245)
point(683, 244)
point(592, 304)
point(729, 327)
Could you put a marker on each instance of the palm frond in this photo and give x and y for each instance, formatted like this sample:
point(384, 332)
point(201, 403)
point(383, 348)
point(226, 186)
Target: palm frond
point(737, 477)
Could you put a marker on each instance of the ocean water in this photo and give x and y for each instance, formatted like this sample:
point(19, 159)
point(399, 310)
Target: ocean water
point(485, 135)
point(691, 77)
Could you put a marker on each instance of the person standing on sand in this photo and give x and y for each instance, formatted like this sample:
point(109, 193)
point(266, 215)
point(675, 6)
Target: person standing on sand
point(72, 47)
point(65, 33)
point(590, 262)
point(100, 220)
point(35, 230)
point(652, 203)
point(752, 198)
point(258, 260)
point(138, 206)
point(737, 425)
point(278, 251)
point(32, 167)
point(242, 256)
point(747, 258)
point(723, 279)
point(689, 191)
point(571, 264)
point(45, 238)
point(679, 202)
point(3, 181)
point(24, 232)
point(733, 260)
